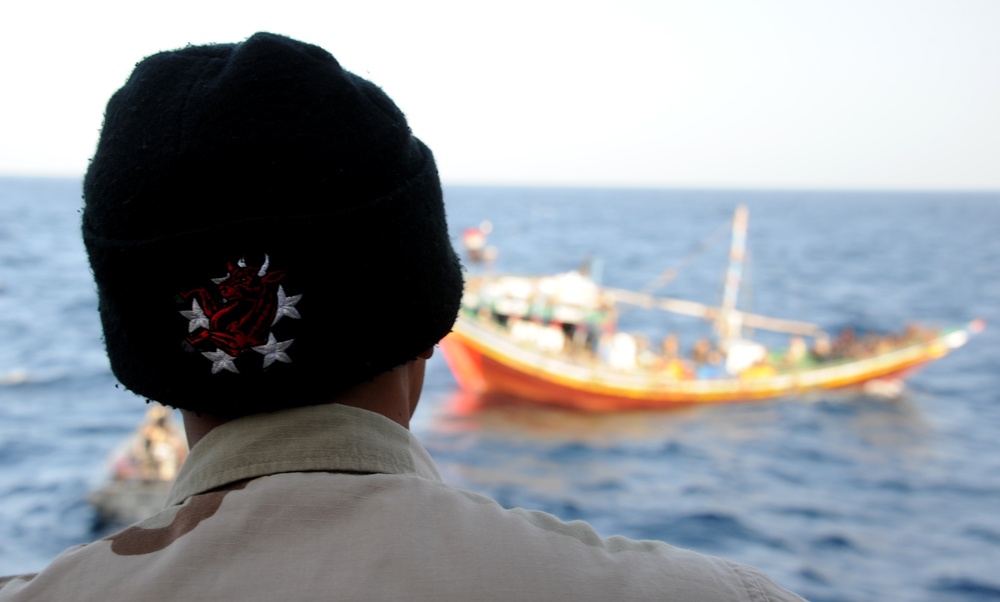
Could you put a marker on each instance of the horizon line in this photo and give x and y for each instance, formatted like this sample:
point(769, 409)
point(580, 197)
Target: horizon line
point(612, 185)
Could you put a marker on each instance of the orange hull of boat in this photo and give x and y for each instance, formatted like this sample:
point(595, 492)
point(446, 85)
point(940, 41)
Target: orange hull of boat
point(482, 369)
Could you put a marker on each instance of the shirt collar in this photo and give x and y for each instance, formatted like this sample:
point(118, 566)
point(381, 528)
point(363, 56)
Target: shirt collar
point(325, 438)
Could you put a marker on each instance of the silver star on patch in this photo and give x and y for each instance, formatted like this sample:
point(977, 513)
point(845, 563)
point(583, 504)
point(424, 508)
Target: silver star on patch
point(274, 351)
point(286, 306)
point(197, 317)
point(221, 361)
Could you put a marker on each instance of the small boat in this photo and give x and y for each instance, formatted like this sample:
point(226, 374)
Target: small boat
point(141, 470)
point(554, 340)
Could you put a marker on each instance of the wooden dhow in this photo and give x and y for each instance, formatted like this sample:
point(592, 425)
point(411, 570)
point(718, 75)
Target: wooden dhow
point(553, 340)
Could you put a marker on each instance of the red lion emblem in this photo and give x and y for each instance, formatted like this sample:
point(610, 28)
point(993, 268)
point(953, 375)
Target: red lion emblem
point(237, 313)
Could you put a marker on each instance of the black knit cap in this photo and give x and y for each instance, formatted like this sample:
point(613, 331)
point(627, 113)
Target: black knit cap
point(264, 230)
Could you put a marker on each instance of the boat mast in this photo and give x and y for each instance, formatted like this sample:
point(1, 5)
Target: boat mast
point(729, 324)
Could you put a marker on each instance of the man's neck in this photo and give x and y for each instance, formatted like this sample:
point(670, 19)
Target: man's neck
point(393, 394)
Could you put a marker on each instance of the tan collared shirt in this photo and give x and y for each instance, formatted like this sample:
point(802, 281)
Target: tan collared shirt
point(337, 503)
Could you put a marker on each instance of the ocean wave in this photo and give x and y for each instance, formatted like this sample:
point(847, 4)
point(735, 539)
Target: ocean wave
point(969, 588)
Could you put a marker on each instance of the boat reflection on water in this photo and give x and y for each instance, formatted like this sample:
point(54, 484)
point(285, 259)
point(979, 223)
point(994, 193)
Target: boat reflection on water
point(737, 468)
point(532, 455)
point(507, 416)
point(880, 421)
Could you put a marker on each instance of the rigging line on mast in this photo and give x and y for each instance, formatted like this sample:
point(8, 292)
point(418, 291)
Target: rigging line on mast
point(670, 273)
point(667, 275)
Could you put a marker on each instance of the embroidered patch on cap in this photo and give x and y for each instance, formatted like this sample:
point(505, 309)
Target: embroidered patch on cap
point(236, 315)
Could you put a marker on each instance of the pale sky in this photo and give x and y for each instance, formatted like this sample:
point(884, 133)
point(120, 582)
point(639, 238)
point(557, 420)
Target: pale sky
point(874, 94)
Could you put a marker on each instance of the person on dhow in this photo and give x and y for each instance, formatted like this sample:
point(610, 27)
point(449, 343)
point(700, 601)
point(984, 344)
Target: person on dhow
point(271, 256)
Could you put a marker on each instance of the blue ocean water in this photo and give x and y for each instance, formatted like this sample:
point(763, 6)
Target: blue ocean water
point(840, 498)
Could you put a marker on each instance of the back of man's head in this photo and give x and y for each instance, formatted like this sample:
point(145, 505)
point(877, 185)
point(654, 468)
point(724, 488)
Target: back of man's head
point(264, 230)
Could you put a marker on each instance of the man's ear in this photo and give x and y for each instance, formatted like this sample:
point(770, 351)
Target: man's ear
point(426, 355)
